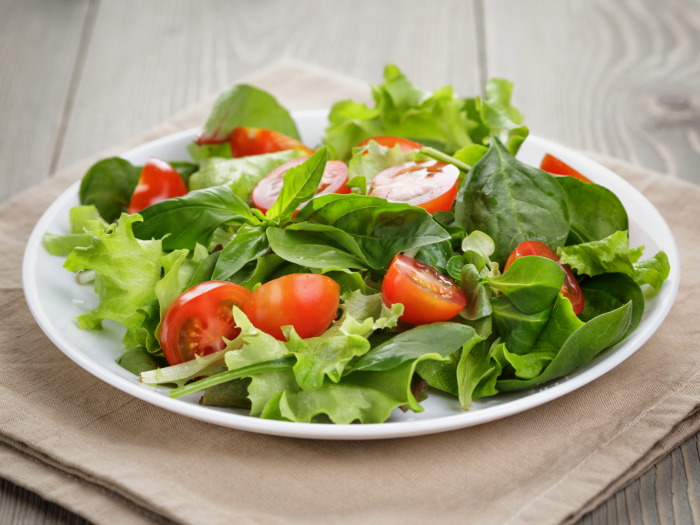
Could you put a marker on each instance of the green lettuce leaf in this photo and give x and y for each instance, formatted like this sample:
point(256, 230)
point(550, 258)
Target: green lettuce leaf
point(127, 270)
point(180, 374)
point(653, 271)
point(609, 255)
point(373, 159)
point(350, 123)
point(500, 117)
point(77, 238)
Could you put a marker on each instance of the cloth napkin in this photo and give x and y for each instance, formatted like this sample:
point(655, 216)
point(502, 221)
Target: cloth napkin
point(115, 459)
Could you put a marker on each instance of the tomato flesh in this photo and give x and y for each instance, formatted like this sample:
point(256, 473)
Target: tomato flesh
point(198, 319)
point(335, 175)
point(553, 165)
point(427, 295)
point(158, 181)
point(430, 184)
point(256, 141)
point(306, 301)
point(570, 289)
point(388, 141)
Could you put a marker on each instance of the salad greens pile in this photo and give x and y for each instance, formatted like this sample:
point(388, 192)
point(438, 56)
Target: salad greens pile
point(517, 331)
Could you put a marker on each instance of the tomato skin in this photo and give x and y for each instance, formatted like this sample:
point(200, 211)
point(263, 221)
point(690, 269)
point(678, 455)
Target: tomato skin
point(256, 141)
point(158, 181)
point(388, 141)
point(429, 184)
point(426, 294)
point(335, 176)
point(306, 301)
point(553, 165)
point(197, 320)
point(570, 289)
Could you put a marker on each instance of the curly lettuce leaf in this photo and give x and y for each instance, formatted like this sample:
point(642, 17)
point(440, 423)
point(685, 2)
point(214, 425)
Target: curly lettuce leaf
point(78, 217)
point(499, 116)
point(653, 271)
point(180, 374)
point(126, 268)
point(609, 255)
point(350, 123)
point(373, 159)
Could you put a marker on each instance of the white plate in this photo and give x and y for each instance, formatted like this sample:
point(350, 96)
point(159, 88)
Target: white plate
point(55, 299)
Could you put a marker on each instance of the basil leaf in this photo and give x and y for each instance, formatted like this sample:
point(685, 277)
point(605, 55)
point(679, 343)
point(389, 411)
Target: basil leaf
point(512, 202)
point(310, 250)
point(108, 185)
point(192, 218)
point(249, 243)
point(609, 292)
point(381, 229)
point(518, 330)
point(244, 105)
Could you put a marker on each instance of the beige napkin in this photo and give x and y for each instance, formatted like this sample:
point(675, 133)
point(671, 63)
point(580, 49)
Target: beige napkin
point(114, 459)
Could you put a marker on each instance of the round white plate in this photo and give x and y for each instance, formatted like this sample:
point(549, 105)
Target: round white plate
point(55, 299)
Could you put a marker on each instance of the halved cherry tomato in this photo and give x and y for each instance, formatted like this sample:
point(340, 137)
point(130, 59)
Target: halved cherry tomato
point(427, 295)
point(255, 141)
point(430, 184)
point(335, 175)
point(385, 140)
point(306, 301)
point(570, 289)
point(551, 164)
point(198, 319)
point(158, 181)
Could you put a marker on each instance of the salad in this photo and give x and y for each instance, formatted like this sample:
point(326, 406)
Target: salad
point(409, 252)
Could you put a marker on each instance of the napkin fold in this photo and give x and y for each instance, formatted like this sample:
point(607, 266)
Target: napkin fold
point(115, 459)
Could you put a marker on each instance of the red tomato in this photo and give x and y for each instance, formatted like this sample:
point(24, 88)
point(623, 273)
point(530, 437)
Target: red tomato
point(427, 295)
point(254, 141)
point(266, 192)
point(158, 181)
point(553, 165)
point(306, 301)
point(430, 184)
point(198, 319)
point(570, 289)
point(405, 144)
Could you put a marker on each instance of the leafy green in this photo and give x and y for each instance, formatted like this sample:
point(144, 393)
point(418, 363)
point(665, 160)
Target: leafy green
point(375, 158)
point(232, 394)
point(527, 366)
point(241, 175)
point(200, 153)
point(653, 271)
point(313, 250)
point(192, 218)
point(500, 116)
point(562, 323)
point(78, 217)
point(610, 291)
point(63, 244)
point(436, 255)
point(208, 365)
point(126, 269)
point(478, 304)
point(512, 202)
point(145, 335)
point(593, 258)
point(518, 330)
point(350, 123)
point(205, 269)
point(184, 169)
point(595, 211)
point(108, 185)
point(477, 371)
point(138, 359)
point(249, 243)
point(245, 106)
point(440, 374)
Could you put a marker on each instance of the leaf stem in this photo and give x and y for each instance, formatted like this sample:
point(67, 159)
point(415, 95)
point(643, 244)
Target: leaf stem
point(444, 157)
point(285, 363)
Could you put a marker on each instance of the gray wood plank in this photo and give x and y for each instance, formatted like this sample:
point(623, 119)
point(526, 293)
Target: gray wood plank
point(617, 77)
point(38, 47)
point(179, 51)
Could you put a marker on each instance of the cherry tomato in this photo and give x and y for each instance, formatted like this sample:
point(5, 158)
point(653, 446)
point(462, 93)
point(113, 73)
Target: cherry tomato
point(158, 181)
point(266, 192)
point(405, 144)
point(255, 141)
point(306, 301)
point(553, 165)
point(198, 319)
point(427, 295)
point(430, 184)
point(570, 289)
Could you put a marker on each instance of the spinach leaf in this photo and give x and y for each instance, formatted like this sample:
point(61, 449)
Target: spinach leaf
point(478, 304)
point(192, 218)
point(108, 185)
point(532, 283)
point(381, 229)
point(526, 366)
point(584, 344)
point(249, 243)
point(440, 374)
point(312, 250)
point(436, 255)
point(246, 106)
point(300, 184)
point(137, 360)
point(512, 202)
point(518, 330)
point(595, 211)
point(184, 169)
point(454, 268)
point(653, 271)
point(608, 292)
point(232, 394)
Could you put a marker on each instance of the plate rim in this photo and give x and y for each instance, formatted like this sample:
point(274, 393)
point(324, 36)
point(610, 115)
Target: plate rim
point(387, 430)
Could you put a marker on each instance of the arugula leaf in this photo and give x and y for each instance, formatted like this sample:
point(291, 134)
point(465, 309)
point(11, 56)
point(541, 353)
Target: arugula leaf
point(108, 185)
point(381, 229)
point(192, 218)
point(313, 250)
point(595, 211)
point(137, 360)
point(518, 330)
point(375, 158)
point(608, 255)
point(126, 269)
point(608, 292)
point(245, 106)
point(300, 184)
point(249, 243)
point(240, 175)
point(653, 271)
point(478, 304)
point(512, 202)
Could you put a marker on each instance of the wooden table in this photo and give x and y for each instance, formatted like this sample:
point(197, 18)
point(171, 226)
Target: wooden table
point(620, 77)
